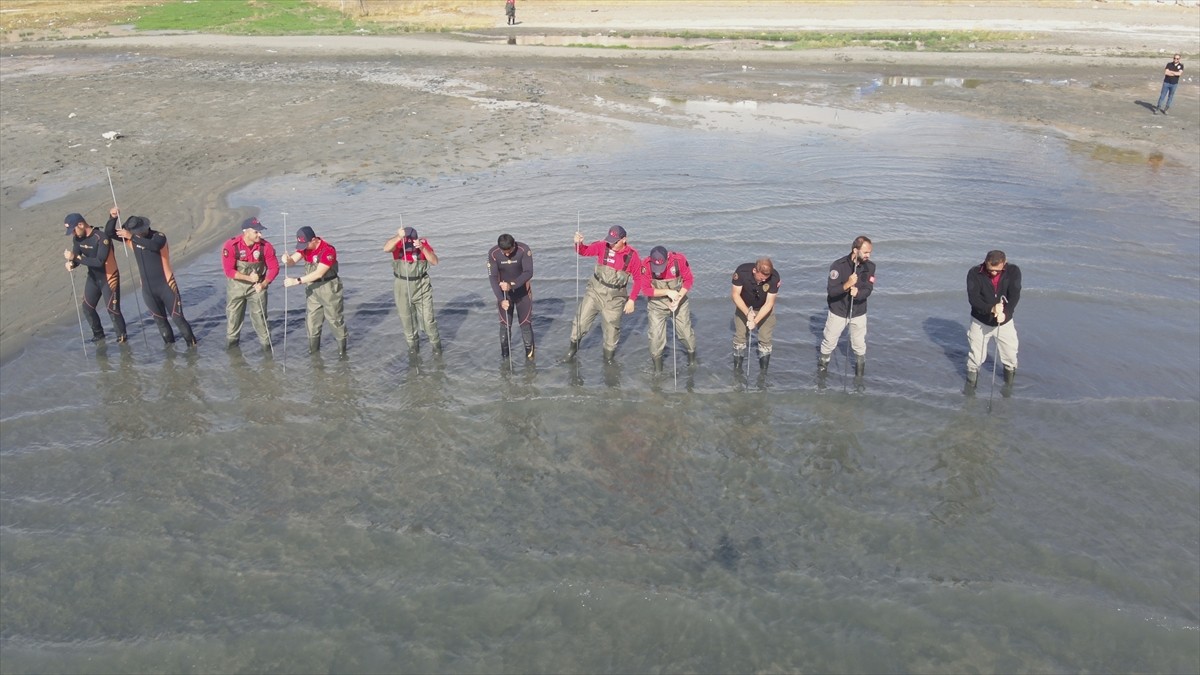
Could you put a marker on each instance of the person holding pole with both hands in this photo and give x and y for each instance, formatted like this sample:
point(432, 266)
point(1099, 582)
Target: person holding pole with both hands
point(666, 278)
point(510, 269)
point(851, 280)
point(610, 292)
point(993, 289)
point(411, 258)
point(755, 287)
point(322, 287)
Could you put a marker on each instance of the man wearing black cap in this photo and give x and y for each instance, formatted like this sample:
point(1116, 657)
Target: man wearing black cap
point(510, 269)
point(755, 286)
point(666, 278)
point(250, 266)
point(158, 279)
point(851, 280)
point(93, 248)
point(411, 258)
point(322, 287)
point(611, 290)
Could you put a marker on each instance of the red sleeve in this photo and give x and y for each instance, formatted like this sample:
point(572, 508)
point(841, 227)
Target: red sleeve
point(634, 267)
point(685, 271)
point(596, 250)
point(272, 261)
point(229, 258)
point(327, 255)
point(425, 245)
point(644, 280)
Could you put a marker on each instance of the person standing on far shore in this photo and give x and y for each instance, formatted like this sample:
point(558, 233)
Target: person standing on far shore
point(1170, 81)
point(510, 11)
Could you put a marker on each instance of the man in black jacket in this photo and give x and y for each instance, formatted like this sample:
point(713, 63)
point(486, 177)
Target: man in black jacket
point(850, 282)
point(993, 289)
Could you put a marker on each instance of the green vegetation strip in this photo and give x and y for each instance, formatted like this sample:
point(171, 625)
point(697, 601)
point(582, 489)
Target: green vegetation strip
point(245, 17)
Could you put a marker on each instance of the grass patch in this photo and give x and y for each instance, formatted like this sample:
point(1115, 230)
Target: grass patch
point(891, 40)
point(246, 17)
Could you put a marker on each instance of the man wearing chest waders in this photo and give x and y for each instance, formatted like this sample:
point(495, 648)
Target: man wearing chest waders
point(92, 248)
point(322, 287)
point(666, 278)
point(610, 292)
point(411, 258)
point(250, 266)
point(153, 257)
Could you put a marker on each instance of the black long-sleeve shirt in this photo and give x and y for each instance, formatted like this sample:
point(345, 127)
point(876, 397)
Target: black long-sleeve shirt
point(983, 296)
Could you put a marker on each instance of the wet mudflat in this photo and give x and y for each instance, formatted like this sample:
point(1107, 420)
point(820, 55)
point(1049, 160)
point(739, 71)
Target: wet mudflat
point(219, 511)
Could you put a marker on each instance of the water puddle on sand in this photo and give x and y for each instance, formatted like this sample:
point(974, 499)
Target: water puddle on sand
point(69, 181)
point(748, 115)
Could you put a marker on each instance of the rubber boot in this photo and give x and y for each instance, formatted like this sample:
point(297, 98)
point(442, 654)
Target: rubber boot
point(314, 345)
point(658, 363)
point(437, 348)
point(343, 347)
point(504, 350)
point(571, 350)
point(823, 362)
point(610, 356)
point(860, 365)
point(764, 361)
point(529, 353)
point(739, 358)
point(230, 344)
point(691, 359)
point(972, 381)
point(1009, 375)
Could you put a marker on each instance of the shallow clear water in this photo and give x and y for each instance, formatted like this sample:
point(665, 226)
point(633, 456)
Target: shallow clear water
point(218, 512)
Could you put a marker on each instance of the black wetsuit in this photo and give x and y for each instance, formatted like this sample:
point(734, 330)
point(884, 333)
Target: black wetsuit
point(517, 270)
point(95, 251)
point(158, 284)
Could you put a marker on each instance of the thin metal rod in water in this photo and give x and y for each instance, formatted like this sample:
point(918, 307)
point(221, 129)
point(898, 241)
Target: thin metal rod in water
point(674, 350)
point(78, 315)
point(508, 317)
point(285, 302)
point(995, 358)
point(136, 299)
point(849, 332)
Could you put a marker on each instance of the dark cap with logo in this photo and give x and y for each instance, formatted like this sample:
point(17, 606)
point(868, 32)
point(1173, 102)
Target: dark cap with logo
point(658, 259)
point(303, 236)
point(72, 220)
point(615, 233)
point(410, 232)
point(253, 224)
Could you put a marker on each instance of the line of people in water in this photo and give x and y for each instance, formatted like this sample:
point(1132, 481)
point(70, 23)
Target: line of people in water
point(619, 278)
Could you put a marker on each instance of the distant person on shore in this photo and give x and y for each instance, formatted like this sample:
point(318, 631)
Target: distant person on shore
point(1170, 81)
point(510, 11)
point(411, 258)
point(158, 279)
point(610, 292)
point(93, 248)
point(755, 286)
point(322, 287)
point(510, 269)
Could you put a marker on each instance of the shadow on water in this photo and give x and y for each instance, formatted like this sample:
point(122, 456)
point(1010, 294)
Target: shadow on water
point(951, 336)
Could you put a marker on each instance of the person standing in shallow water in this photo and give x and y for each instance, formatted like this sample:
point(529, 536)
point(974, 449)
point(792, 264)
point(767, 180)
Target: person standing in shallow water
point(851, 280)
point(666, 278)
point(510, 269)
point(755, 287)
point(1170, 81)
point(250, 266)
point(322, 287)
point(610, 292)
point(162, 296)
point(411, 258)
point(93, 248)
point(993, 289)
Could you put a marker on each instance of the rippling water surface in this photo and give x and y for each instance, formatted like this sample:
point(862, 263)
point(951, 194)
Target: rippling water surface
point(214, 511)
